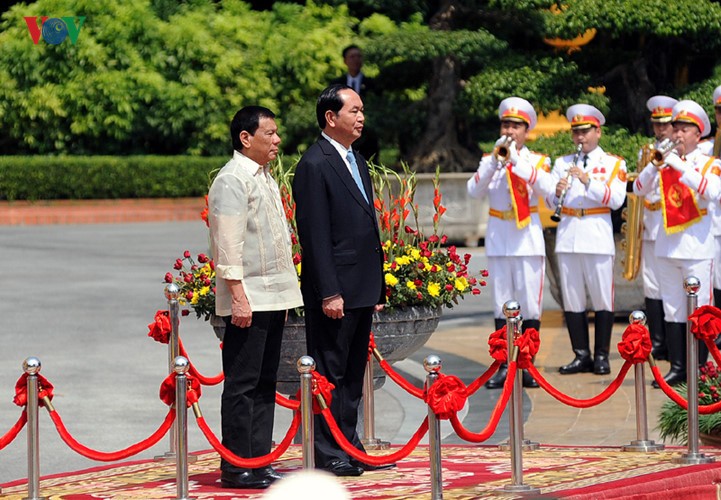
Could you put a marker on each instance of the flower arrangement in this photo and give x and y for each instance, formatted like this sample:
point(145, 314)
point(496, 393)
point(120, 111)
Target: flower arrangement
point(418, 269)
point(673, 420)
point(196, 282)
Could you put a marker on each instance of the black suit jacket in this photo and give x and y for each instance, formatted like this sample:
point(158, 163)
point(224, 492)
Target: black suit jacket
point(367, 84)
point(337, 229)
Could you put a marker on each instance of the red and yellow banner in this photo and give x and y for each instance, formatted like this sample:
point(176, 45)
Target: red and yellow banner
point(678, 201)
point(519, 199)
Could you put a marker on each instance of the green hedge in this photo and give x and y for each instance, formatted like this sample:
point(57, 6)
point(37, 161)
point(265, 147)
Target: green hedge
point(104, 177)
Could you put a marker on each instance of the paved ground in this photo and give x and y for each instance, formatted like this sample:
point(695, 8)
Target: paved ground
point(79, 297)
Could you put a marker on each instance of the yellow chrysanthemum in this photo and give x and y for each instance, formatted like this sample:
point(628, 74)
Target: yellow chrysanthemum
point(391, 280)
point(297, 268)
point(402, 261)
point(434, 289)
point(411, 285)
point(204, 291)
point(387, 245)
point(415, 253)
point(461, 283)
point(386, 266)
point(195, 298)
point(427, 267)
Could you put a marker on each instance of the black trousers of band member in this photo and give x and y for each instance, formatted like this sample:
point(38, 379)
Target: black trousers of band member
point(250, 364)
point(340, 350)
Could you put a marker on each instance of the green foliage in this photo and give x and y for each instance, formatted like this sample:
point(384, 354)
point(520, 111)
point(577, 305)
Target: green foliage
point(101, 177)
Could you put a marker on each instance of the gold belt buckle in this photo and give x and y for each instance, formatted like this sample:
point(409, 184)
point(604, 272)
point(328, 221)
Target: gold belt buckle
point(581, 212)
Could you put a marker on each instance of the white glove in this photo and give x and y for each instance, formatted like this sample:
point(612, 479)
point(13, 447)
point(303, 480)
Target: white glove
point(500, 142)
point(675, 162)
point(513, 155)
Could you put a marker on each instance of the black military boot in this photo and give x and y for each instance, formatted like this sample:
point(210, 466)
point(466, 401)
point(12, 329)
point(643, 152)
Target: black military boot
point(528, 380)
point(603, 326)
point(676, 342)
point(497, 380)
point(577, 323)
point(655, 324)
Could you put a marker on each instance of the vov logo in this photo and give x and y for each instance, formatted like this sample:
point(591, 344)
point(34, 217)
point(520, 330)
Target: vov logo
point(54, 29)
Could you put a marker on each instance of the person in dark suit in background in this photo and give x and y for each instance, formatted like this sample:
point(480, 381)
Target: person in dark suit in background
point(342, 271)
point(367, 144)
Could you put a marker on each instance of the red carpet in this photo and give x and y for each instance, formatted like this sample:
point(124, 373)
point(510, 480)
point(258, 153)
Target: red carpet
point(469, 472)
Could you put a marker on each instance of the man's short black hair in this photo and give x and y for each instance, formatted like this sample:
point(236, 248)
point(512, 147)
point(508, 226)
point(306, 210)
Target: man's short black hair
point(349, 48)
point(247, 119)
point(329, 100)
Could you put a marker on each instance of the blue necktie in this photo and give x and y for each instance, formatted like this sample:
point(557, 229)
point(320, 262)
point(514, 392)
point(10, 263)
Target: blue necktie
point(356, 174)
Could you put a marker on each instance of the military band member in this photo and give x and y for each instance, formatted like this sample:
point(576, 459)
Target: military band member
point(594, 185)
point(712, 147)
point(660, 107)
point(514, 238)
point(688, 180)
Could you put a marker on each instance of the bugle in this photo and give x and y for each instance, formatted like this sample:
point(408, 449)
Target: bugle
point(658, 155)
point(556, 217)
point(502, 152)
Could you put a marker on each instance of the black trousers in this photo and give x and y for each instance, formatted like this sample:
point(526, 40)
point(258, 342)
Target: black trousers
point(250, 364)
point(340, 350)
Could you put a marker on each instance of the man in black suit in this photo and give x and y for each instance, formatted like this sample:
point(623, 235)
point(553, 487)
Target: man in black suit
point(367, 145)
point(342, 270)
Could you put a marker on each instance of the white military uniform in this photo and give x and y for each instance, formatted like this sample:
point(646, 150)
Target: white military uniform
point(516, 257)
point(707, 147)
point(689, 252)
point(584, 239)
point(652, 222)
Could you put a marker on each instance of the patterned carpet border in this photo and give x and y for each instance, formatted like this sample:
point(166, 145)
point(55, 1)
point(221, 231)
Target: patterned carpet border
point(469, 472)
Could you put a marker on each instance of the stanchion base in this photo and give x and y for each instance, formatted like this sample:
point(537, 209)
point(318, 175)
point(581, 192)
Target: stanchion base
point(169, 456)
point(692, 459)
point(643, 445)
point(35, 498)
point(527, 445)
point(375, 444)
point(523, 489)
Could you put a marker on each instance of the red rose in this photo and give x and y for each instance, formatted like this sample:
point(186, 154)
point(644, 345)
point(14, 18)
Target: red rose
point(482, 283)
point(202, 258)
point(475, 291)
point(451, 268)
point(168, 278)
point(449, 288)
point(434, 268)
point(418, 282)
point(188, 278)
point(184, 312)
point(444, 238)
point(409, 230)
point(466, 258)
point(186, 254)
point(296, 258)
point(189, 295)
point(433, 239)
point(178, 264)
point(484, 273)
point(212, 264)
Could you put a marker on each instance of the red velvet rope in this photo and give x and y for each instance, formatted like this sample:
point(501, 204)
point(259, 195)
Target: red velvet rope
point(286, 403)
point(250, 463)
point(10, 435)
point(167, 390)
point(115, 455)
point(528, 343)
point(446, 396)
point(635, 345)
point(485, 377)
point(320, 386)
point(581, 403)
point(486, 433)
point(195, 373)
point(498, 345)
point(403, 383)
point(45, 390)
point(374, 459)
point(680, 400)
point(371, 346)
point(160, 328)
point(706, 323)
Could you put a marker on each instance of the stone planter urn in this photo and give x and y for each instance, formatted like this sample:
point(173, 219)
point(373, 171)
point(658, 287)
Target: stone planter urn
point(398, 334)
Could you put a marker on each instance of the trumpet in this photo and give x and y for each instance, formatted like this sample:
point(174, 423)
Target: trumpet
point(556, 217)
point(658, 156)
point(502, 152)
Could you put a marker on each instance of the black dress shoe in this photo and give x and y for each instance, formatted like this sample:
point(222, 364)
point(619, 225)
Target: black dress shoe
point(672, 378)
point(578, 365)
point(497, 380)
point(268, 473)
point(601, 366)
point(370, 468)
point(243, 481)
point(342, 468)
point(528, 380)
